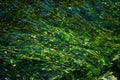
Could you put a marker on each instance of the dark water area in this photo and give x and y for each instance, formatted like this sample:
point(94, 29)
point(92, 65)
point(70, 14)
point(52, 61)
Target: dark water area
point(59, 39)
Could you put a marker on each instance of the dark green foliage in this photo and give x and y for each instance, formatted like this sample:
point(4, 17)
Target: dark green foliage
point(59, 39)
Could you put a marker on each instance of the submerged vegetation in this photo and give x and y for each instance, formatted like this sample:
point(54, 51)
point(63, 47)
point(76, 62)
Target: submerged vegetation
point(59, 39)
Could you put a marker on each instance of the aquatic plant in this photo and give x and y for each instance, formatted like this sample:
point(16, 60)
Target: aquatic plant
point(57, 39)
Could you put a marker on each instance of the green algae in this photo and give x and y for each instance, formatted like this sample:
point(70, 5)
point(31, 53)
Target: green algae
point(56, 39)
